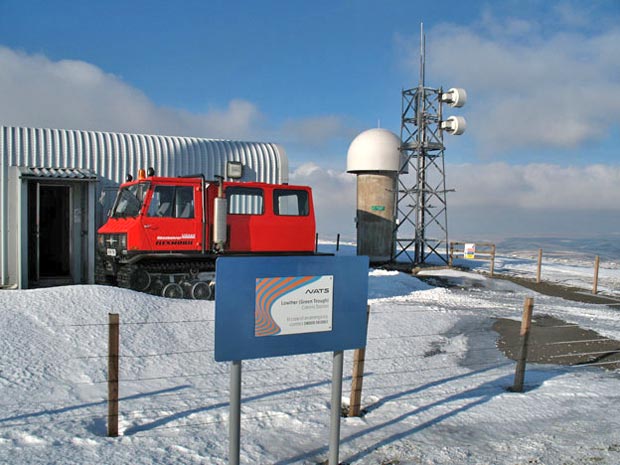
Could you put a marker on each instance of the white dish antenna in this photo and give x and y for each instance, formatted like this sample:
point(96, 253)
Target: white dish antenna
point(454, 125)
point(455, 97)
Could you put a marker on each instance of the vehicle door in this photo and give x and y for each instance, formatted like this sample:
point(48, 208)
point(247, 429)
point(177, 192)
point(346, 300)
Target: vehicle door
point(173, 218)
point(292, 227)
point(246, 218)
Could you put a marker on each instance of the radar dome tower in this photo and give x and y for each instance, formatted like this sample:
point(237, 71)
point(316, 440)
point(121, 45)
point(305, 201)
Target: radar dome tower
point(375, 158)
point(422, 227)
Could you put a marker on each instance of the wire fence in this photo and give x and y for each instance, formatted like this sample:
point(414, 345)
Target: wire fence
point(592, 274)
point(183, 387)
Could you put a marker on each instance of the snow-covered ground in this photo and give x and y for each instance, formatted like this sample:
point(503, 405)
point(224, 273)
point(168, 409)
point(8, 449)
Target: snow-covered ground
point(435, 390)
point(569, 262)
point(566, 262)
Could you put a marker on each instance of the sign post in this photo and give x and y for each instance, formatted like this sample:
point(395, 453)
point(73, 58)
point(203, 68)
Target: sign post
point(234, 427)
point(334, 425)
point(276, 306)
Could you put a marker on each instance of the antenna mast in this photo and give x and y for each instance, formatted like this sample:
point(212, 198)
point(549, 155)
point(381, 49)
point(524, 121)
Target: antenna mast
point(422, 227)
point(422, 55)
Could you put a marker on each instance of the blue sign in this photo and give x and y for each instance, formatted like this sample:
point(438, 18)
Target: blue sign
point(274, 306)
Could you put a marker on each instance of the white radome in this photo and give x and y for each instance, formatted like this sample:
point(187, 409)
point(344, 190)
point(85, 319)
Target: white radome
point(374, 150)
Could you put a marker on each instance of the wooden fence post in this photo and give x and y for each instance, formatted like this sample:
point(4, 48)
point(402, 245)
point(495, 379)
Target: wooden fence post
point(538, 269)
point(359, 357)
point(526, 323)
point(451, 259)
point(597, 262)
point(113, 355)
point(492, 260)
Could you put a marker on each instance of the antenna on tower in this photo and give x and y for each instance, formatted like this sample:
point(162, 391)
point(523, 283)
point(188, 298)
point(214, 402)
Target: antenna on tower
point(422, 55)
point(422, 208)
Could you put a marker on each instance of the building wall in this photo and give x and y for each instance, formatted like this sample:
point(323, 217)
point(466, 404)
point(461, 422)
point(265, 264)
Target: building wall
point(12, 235)
point(111, 156)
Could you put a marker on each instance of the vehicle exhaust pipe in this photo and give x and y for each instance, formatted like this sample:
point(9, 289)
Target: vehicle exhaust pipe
point(220, 210)
point(219, 223)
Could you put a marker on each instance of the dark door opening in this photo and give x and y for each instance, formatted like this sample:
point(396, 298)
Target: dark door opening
point(49, 234)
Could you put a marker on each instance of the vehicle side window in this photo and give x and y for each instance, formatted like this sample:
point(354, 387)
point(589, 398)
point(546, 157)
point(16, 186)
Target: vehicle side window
point(184, 202)
point(172, 202)
point(291, 202)
point(245, 201)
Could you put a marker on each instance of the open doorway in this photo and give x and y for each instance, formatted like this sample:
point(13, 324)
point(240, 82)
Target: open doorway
point(55, 214)
point(49, 234)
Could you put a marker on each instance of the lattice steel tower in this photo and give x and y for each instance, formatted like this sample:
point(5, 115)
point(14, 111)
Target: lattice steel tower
point(421, 208)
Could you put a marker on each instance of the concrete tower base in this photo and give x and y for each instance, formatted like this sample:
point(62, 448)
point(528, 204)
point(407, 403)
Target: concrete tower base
point(375, 215)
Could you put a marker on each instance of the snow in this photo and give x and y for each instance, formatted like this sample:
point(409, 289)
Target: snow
point(435, 387)
point(565, 262)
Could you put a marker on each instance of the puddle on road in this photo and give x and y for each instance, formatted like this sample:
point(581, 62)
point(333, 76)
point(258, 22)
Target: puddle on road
point(553, 341)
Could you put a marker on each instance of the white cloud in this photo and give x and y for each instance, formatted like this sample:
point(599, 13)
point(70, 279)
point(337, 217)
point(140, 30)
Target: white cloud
point(38, 92)
point(493, 197)
point(570, 16)
point(334, 196)
point(240, 119)
point(528, 87)
point(35, 91)
point(535, 186)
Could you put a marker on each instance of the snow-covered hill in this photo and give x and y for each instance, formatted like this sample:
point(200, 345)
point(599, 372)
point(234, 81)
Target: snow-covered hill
point(435, 390)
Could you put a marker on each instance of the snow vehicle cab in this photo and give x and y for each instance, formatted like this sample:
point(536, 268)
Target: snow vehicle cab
point(164, 234)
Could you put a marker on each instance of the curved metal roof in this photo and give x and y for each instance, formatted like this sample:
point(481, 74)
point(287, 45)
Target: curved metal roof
point(113, 155)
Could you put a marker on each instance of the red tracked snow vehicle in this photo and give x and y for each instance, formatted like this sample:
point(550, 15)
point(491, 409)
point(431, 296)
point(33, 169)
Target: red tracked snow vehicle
point(163, 234)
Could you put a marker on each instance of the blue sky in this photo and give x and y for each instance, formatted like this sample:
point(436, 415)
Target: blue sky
point(543, 80)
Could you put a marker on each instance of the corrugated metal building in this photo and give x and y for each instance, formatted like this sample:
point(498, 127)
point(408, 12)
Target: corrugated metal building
point(56, 186)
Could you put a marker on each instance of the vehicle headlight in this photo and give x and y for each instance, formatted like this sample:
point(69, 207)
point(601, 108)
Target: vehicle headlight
point(112, 244)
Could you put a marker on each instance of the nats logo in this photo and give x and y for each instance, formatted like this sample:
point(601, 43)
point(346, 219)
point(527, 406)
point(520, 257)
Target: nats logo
point(317, 291)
